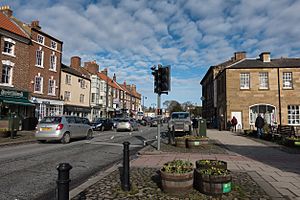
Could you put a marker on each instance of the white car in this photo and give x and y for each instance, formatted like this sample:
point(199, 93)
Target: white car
point(180, 122)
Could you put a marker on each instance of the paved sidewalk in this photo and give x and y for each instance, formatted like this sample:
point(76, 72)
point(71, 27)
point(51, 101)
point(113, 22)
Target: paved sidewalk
point(276, 171)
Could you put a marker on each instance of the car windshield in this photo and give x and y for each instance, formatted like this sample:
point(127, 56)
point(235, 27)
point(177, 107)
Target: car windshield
point(180, 115)
point(51, 120)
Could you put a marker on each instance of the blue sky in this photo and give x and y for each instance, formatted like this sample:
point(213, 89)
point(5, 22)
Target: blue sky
point(129, 36)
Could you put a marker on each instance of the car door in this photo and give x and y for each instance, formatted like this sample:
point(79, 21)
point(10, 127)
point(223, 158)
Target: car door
point(79, 126)
point(72, 126)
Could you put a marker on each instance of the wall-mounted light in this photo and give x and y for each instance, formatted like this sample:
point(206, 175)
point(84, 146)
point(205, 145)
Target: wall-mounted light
point(32, 82)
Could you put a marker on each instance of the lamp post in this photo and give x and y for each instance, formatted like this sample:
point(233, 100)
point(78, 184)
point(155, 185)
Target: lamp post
point(144, 103)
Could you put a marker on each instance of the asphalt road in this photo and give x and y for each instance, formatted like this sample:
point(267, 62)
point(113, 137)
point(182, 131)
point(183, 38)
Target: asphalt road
point(29, 171)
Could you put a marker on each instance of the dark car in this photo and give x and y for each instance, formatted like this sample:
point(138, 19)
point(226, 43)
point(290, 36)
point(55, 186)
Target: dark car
point(100, 124)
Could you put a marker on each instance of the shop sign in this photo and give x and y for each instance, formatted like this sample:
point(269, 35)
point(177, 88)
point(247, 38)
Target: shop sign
point(13, 93)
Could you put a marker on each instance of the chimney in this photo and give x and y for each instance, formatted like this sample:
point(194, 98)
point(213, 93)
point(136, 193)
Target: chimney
point(115, 78)
point(104, 71)
point(124, 83)
point(133, 86)
point(6, 11)
point(265, 57)
point(92, 67)
point(36, 24)
point(75, 62)
point(239, 55)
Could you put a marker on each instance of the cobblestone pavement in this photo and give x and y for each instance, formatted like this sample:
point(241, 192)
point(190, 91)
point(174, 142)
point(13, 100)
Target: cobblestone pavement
point(145, 184)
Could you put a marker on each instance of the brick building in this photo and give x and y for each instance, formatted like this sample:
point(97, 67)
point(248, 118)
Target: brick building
point(265, 86)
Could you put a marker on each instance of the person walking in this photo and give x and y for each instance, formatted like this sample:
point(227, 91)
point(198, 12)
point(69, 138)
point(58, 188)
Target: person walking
point(234, 122)
point(259, 124)
point(195, 126)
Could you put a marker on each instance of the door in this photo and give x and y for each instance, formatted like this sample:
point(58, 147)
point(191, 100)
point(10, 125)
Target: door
point(72, 126)
point(238, 116)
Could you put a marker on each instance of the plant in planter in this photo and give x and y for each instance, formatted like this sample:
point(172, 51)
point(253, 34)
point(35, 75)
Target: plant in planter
point(206, 164)
point(177, 176)
point(291, 141)
point(213, 181)
point(196, 141)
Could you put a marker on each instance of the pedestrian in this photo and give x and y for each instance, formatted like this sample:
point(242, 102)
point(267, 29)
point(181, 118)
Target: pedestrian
point(259, 124)
point(234, 122)
point(195, 126)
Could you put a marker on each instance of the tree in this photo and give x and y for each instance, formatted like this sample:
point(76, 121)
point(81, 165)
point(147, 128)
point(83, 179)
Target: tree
point(173, 106)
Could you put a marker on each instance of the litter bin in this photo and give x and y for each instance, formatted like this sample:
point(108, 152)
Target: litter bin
point(14, 126)
point(202, 127)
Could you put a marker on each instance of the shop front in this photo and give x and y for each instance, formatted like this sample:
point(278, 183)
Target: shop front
point(80, 111)
point(47, 107)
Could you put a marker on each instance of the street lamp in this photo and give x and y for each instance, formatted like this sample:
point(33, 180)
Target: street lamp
point(144, 103)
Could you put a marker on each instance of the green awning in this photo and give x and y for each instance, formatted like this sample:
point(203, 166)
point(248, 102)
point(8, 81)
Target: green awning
point(18, 101)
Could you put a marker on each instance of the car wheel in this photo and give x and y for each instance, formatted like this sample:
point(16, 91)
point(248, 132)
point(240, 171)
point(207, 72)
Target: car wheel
point(89, 135)
point(66, 138)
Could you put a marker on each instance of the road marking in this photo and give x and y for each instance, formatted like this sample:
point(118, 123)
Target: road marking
point(114, 144)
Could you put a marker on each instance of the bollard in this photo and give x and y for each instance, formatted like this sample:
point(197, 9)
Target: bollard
point(126, 178)
point(63, 181)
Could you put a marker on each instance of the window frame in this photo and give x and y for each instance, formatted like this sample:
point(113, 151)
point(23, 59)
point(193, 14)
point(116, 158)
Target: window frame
point(82, 83)
point(263, 79)
point(67, 96)
point(41, 58)
point(9, 75)
point(54, 63)
point(53, 87)
point(11, 48)
point(53, 45)
point(285, 80)
point(40, 39)
point(293, 114)
point(245, 76)
point(81, 98)
point(41, 84)
point(68, 79)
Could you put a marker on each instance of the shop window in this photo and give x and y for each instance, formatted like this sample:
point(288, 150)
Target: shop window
point(268, 112)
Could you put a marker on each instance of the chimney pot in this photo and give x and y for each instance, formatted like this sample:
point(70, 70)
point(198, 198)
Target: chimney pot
point(6, 10)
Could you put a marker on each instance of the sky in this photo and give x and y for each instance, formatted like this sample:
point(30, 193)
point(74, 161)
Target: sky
point(128, 37)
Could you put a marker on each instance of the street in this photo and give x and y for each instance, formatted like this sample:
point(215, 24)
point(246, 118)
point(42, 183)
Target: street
point(29, 171)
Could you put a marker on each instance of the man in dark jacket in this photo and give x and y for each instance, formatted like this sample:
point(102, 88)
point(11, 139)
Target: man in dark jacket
point(259, 124)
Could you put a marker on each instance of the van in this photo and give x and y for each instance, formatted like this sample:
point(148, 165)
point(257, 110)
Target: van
point(180, 123)
point(63, 128)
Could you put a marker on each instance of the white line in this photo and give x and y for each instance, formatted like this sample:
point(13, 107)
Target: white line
point(114, 144)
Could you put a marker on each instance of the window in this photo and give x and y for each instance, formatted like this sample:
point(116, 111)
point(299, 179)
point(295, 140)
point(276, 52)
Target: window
point(293, 114)
point(263, 80)
point(39, 58)
point(82, 83)
point(53, 44)
point(40, 39)
point(68, 79)
point(244, 80)
point(67, 96)
point(81, 98)
point(93, 97)
point(6, 74)
point(287, 80)
point(38, 84)
point(9, 47)
point(53, 62)
point(51, 87)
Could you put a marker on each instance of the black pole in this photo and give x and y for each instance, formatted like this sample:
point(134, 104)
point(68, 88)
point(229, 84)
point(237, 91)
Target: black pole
point(279, 99)
point(126, 178)
point(63, 181)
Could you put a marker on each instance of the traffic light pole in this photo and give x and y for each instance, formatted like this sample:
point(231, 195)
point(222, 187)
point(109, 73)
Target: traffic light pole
point(158, 121)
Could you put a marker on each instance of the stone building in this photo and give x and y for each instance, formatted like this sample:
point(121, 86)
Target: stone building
point(262, 86)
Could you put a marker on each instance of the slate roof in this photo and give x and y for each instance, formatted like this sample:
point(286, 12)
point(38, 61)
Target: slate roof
point(9, 25)
point(275, 63)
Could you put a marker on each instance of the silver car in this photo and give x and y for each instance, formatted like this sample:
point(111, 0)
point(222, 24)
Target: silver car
point(63, 128)
point(127, 125)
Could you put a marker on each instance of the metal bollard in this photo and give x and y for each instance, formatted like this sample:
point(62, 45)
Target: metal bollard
point(63, 181)
point(126, 178)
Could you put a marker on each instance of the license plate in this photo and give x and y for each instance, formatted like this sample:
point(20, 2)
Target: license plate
point(45, 129)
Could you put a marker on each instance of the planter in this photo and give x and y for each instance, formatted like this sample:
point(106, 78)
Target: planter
point(213, 184)
point(180, 142)
point(174, 183)
point(196, 142)
point(205, 164)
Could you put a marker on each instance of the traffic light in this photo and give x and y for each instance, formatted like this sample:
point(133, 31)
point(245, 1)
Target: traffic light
point(165, 79)
point(156, 81)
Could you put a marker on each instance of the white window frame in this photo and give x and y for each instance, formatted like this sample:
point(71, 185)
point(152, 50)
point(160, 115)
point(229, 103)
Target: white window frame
point(81, 98)
point(263, 80)
point(11, 48)
point(82, 83)
point(67, 96)
point(41, 64)
point(36, 82)
point(287, 80)
point(293, 114)
point(93, 97)
point(51, 87)
point(40, 39)
point(245, 80)
point(68, 79)
point(53, 45)
point(53, 60)
point(9, 65)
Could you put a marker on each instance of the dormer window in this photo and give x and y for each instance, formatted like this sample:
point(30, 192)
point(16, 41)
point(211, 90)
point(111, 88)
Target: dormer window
point(40, 39)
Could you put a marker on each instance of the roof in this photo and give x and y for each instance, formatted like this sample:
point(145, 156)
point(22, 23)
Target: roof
point(274, 63)
point(9, 25)
point(75, 72)
point(110, 82)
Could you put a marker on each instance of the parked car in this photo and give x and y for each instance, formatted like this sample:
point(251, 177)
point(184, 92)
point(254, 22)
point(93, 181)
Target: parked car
point(153, 122)
point(100, 124)
point(127, 125)
point(115, 121)
point(142, 122)
point(63, 128)
point(180, 123)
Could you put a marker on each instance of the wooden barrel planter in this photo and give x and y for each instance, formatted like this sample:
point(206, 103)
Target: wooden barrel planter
point(205, 164)
point(174, 183)
point(196, 143)
point(180, 142)
point(213, 184)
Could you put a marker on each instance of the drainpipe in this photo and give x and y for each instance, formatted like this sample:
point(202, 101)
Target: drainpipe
point(279, 100)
